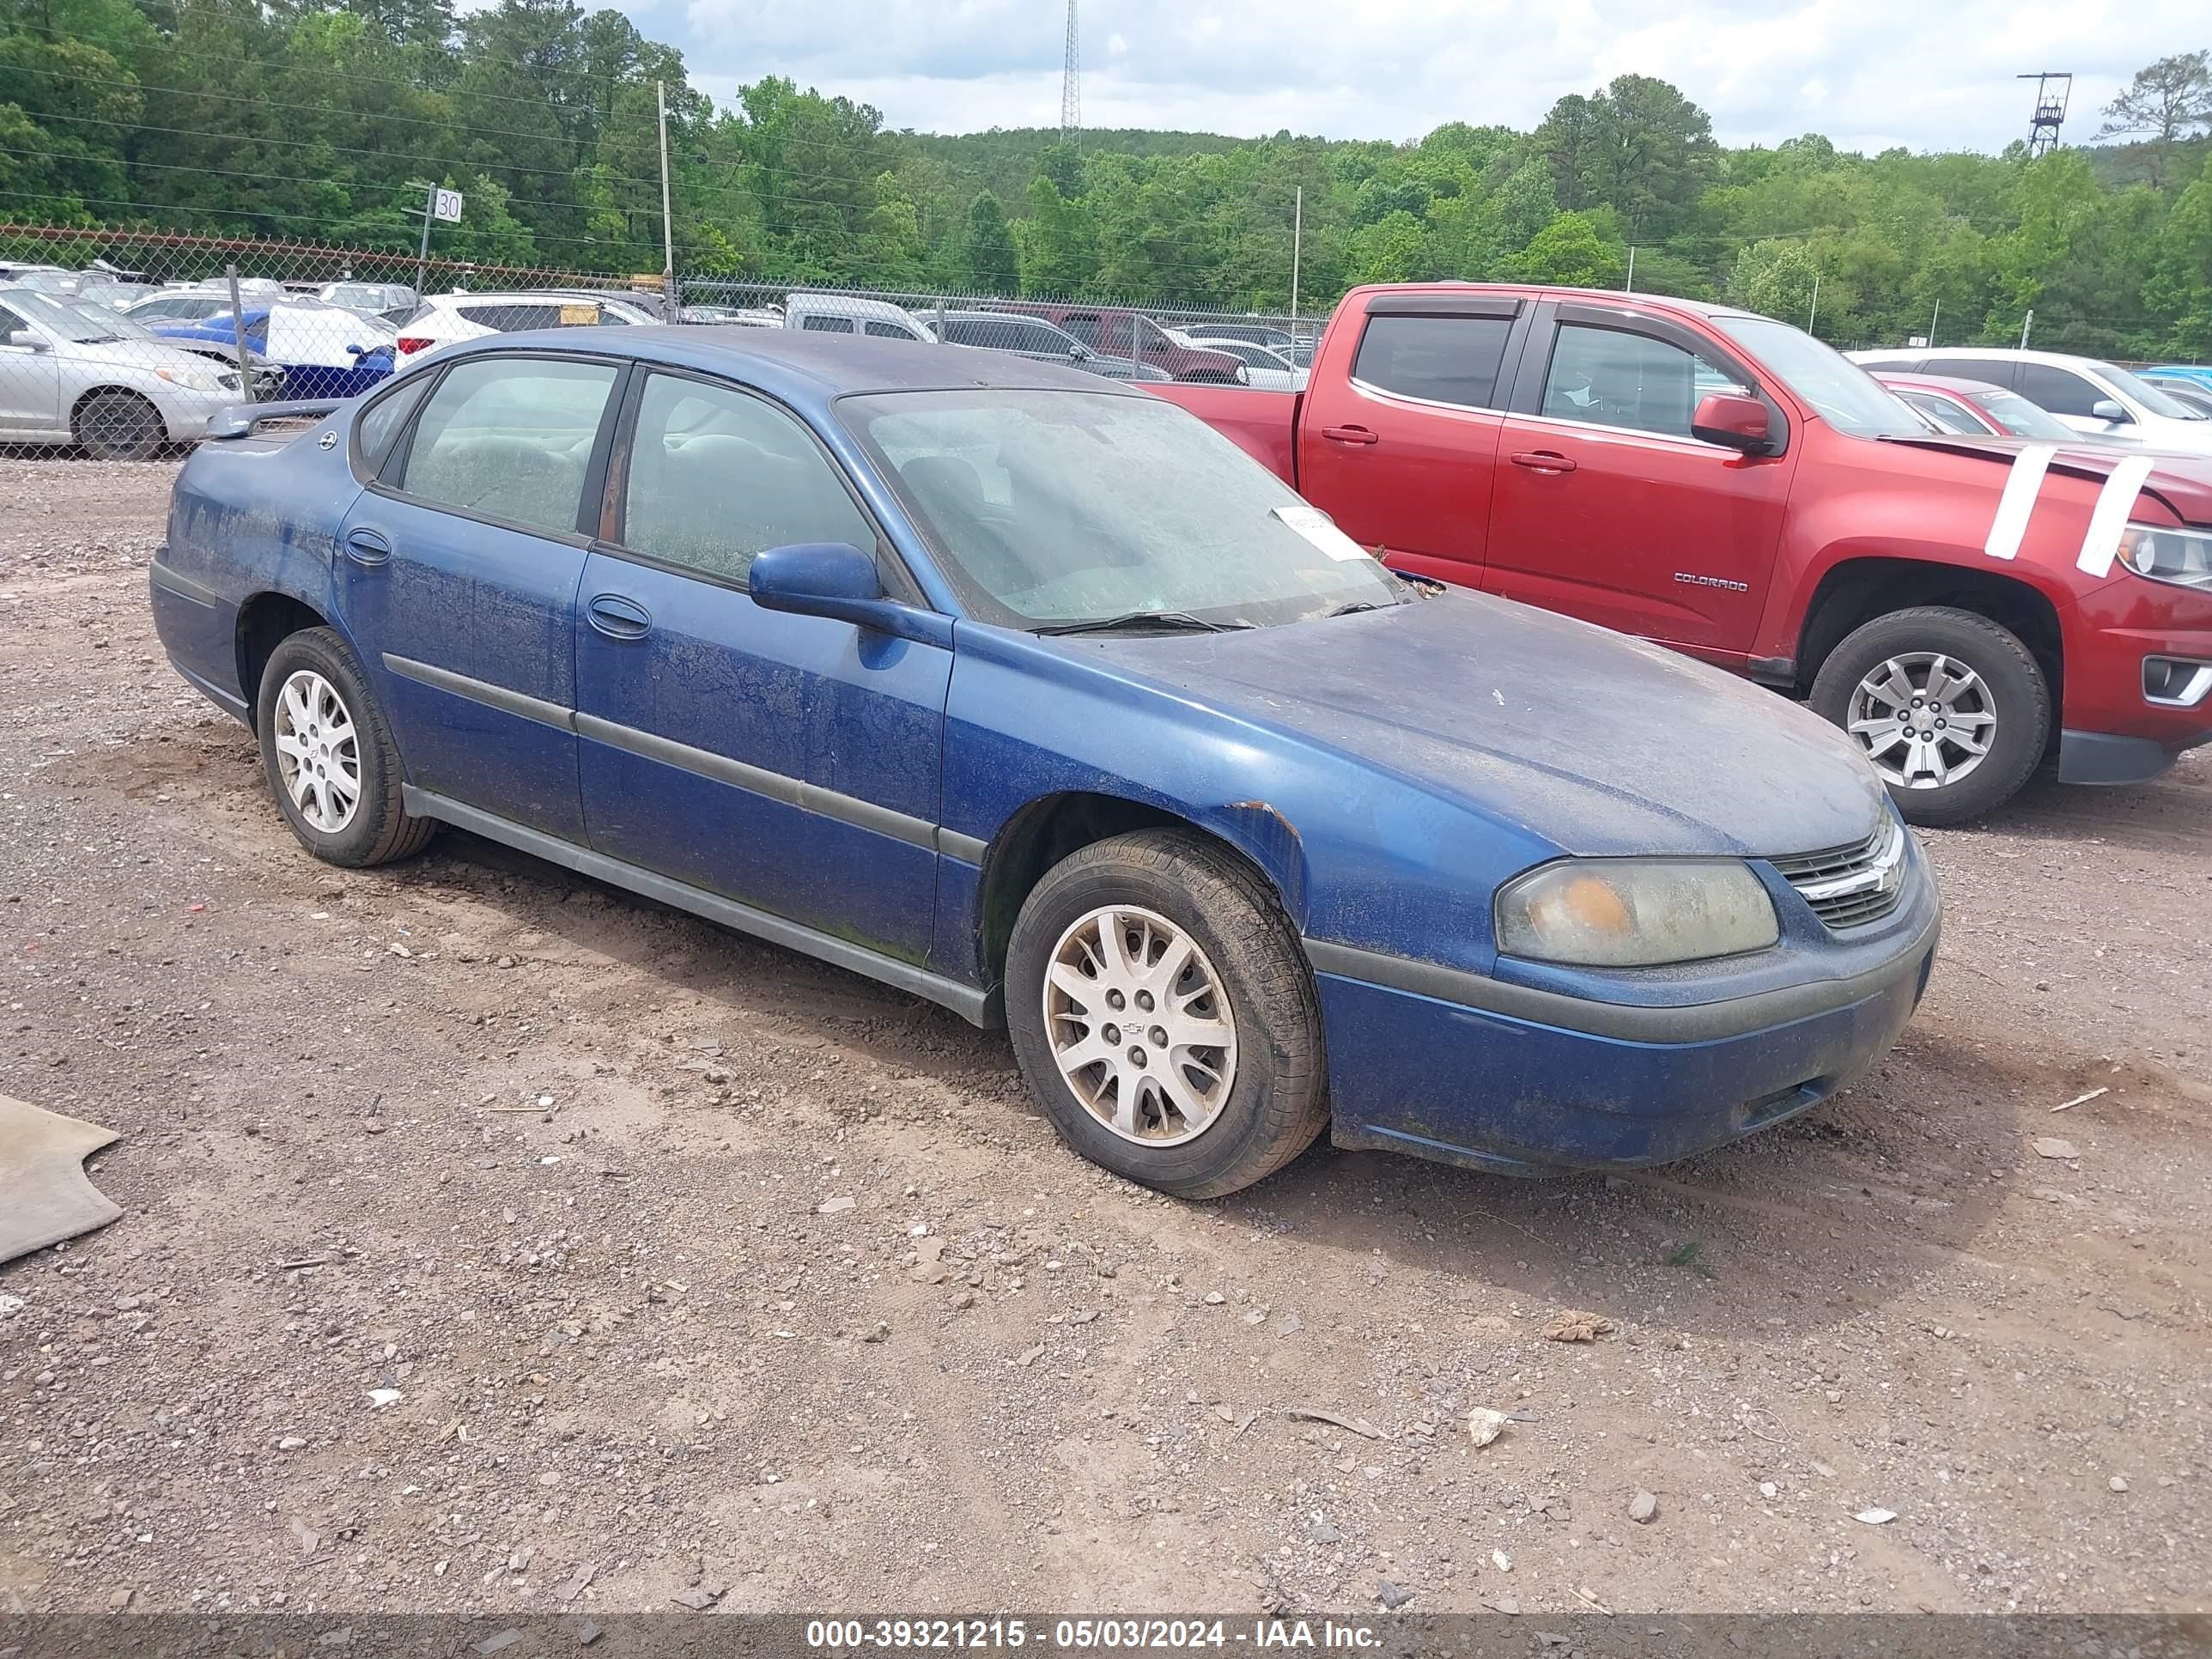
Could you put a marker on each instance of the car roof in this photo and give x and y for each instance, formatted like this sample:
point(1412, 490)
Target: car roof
point(1957, 383)
point(800, 367)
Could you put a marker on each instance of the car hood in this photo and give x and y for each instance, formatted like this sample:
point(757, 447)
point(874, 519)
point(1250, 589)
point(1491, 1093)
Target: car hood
point(144, 356)
point(1600, 743)
point(2182, 480)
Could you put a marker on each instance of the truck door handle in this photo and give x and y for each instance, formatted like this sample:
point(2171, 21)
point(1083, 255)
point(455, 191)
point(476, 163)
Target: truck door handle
point(1349, 435)
point(1544, 460)
point(619, 619)
point(366, 546)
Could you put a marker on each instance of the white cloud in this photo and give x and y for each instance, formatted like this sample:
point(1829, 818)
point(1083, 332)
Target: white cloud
point(1868, 73)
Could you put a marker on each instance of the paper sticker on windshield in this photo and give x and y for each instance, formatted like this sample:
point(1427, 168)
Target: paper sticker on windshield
point(580, 316)
point(1317, 527)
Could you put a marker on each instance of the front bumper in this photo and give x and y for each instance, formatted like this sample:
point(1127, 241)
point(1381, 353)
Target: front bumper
point(1533, 1084)
point(185, 411)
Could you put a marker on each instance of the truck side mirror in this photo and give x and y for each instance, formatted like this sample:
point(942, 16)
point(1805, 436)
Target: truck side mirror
point(1735, 421)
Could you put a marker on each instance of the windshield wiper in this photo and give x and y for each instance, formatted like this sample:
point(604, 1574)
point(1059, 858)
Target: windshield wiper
point(1169, 619)
point(1355, 608)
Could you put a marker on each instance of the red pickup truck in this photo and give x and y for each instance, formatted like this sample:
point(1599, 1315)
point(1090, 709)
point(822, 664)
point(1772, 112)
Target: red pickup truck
point(1727, 485)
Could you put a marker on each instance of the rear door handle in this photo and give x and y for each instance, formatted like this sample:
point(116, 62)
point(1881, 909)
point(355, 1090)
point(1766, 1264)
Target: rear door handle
point(1544, 460)
point(619, 619)
point(365, 546)
point(1349, 435)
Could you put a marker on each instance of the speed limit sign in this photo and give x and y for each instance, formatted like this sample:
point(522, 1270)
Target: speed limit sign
point(447, 205)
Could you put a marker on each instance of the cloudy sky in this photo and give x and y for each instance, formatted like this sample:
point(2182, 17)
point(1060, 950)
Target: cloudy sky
point(1868, 73)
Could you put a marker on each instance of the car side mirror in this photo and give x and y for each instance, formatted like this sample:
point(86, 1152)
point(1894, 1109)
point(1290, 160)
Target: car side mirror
point(838, 580)
point(356, 351)
point(23, 338)
point(1080, 353)
point(2110, 412)
point(1736, 422)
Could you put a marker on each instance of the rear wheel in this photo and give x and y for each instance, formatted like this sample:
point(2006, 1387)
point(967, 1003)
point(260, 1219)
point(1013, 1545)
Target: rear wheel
point(329, 756)
point(119, 426)
point(1953, 710)
point(1164, 1014)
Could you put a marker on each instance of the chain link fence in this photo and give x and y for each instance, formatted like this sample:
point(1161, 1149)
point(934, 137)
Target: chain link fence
point(123, 344)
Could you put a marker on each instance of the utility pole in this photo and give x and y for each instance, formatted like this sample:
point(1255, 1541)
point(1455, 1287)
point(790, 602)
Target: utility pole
point(667, 226)
point(1932, 317)
point(1631, 287)
point(423, 259)
point(1298, 241)
point(1814, 310)
point(2026, 324)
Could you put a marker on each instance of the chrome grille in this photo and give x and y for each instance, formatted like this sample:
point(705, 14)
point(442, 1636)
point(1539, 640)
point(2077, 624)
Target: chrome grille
point(1849, 886)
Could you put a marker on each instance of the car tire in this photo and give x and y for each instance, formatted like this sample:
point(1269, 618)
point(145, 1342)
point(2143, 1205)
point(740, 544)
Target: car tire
point(1866, 680)
point(119, 426)
point(1168, 888)
point(323, 734)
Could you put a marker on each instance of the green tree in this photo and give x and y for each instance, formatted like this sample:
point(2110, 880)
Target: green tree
point(2165, 103)
point(1776, 279)
point(990, 263)
point(1571, 252)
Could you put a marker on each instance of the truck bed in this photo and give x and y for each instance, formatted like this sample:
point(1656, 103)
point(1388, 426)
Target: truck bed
point(1263, 424)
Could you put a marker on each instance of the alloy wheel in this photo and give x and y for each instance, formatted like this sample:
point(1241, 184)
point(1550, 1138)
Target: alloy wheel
point(1925, 720)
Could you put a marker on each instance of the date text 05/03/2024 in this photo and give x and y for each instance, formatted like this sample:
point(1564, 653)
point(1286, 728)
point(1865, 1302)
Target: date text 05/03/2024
point(1082, 1635)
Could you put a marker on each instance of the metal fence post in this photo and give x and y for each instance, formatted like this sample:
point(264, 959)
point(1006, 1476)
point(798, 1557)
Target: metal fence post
point(238, 327)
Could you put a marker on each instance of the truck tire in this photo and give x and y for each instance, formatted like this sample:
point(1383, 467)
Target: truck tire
point(329, 755)
point(1950, 708)
point(1164, 1014)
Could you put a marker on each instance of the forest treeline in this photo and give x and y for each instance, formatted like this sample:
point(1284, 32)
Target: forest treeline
point(322, 120)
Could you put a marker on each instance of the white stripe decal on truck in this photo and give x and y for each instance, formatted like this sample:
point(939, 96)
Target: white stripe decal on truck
point(2021, 485)
point(2114, 502)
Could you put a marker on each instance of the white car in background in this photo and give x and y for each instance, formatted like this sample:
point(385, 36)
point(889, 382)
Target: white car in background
point(445, 319)
point(70, 374)
point(2098, 399)
point(1264, 368)
point(839, 314)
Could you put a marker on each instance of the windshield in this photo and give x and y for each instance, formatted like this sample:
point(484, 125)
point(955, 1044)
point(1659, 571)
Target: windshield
point(1050, 507)
point(2145, 394)
point(110, 325)
point(65, 320)
point(2022, 419)
point(1842, 393)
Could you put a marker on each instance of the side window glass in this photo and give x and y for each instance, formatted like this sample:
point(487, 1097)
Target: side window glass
point(2057, 390)
point(1614, 378)
point(1993, 371)
point(1445, 360)
point(382, 421)
point(9, 322)
point(888, 331)
point(510, 438)
point(821, 324)
point(717, 478)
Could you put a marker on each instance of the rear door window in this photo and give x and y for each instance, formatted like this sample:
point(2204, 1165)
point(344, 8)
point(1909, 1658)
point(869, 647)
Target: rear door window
point(1995, 371)
point(888, 331)
point(511, 318)
point(510, 438)
point(818, 324)
point(1442, 359)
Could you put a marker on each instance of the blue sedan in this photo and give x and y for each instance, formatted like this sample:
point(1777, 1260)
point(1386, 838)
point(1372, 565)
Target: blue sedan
point(1031, 695)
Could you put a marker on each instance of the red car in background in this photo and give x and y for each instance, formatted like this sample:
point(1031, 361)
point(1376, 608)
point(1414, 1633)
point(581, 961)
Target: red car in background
point(1966, 608)
point(1116, 331)
point(1975, 408)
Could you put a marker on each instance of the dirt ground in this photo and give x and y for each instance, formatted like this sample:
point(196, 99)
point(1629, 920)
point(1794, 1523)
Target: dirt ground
point(550, 1166)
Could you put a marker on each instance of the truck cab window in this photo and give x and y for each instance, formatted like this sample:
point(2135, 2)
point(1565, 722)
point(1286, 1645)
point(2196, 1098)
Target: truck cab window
point(1444, 360)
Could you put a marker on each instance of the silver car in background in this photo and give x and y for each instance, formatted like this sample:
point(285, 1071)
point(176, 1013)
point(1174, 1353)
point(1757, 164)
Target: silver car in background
point(72, 373)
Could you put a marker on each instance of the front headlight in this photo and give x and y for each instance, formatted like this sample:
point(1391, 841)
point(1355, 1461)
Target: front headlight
point(1634, 913)
point(2183, 557)
point(192, 379)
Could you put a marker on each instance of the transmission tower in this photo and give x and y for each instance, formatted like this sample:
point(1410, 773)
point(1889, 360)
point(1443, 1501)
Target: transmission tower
point(1071, 80)
point(2053, 88)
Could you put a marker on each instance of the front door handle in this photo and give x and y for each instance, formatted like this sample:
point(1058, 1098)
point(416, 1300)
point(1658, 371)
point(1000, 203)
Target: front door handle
point(1548, 461)
point(619, 619)
point(1349, 435)
point(366, 546)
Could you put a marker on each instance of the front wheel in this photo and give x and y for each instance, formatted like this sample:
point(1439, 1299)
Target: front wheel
point(1164, 1014)
point(119, 426)
point(1953, 710)
point(329, 756)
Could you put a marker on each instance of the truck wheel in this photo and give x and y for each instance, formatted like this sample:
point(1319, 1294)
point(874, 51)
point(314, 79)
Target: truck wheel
point(1951, 709)
point(329, 756)
point(1164, 1014)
